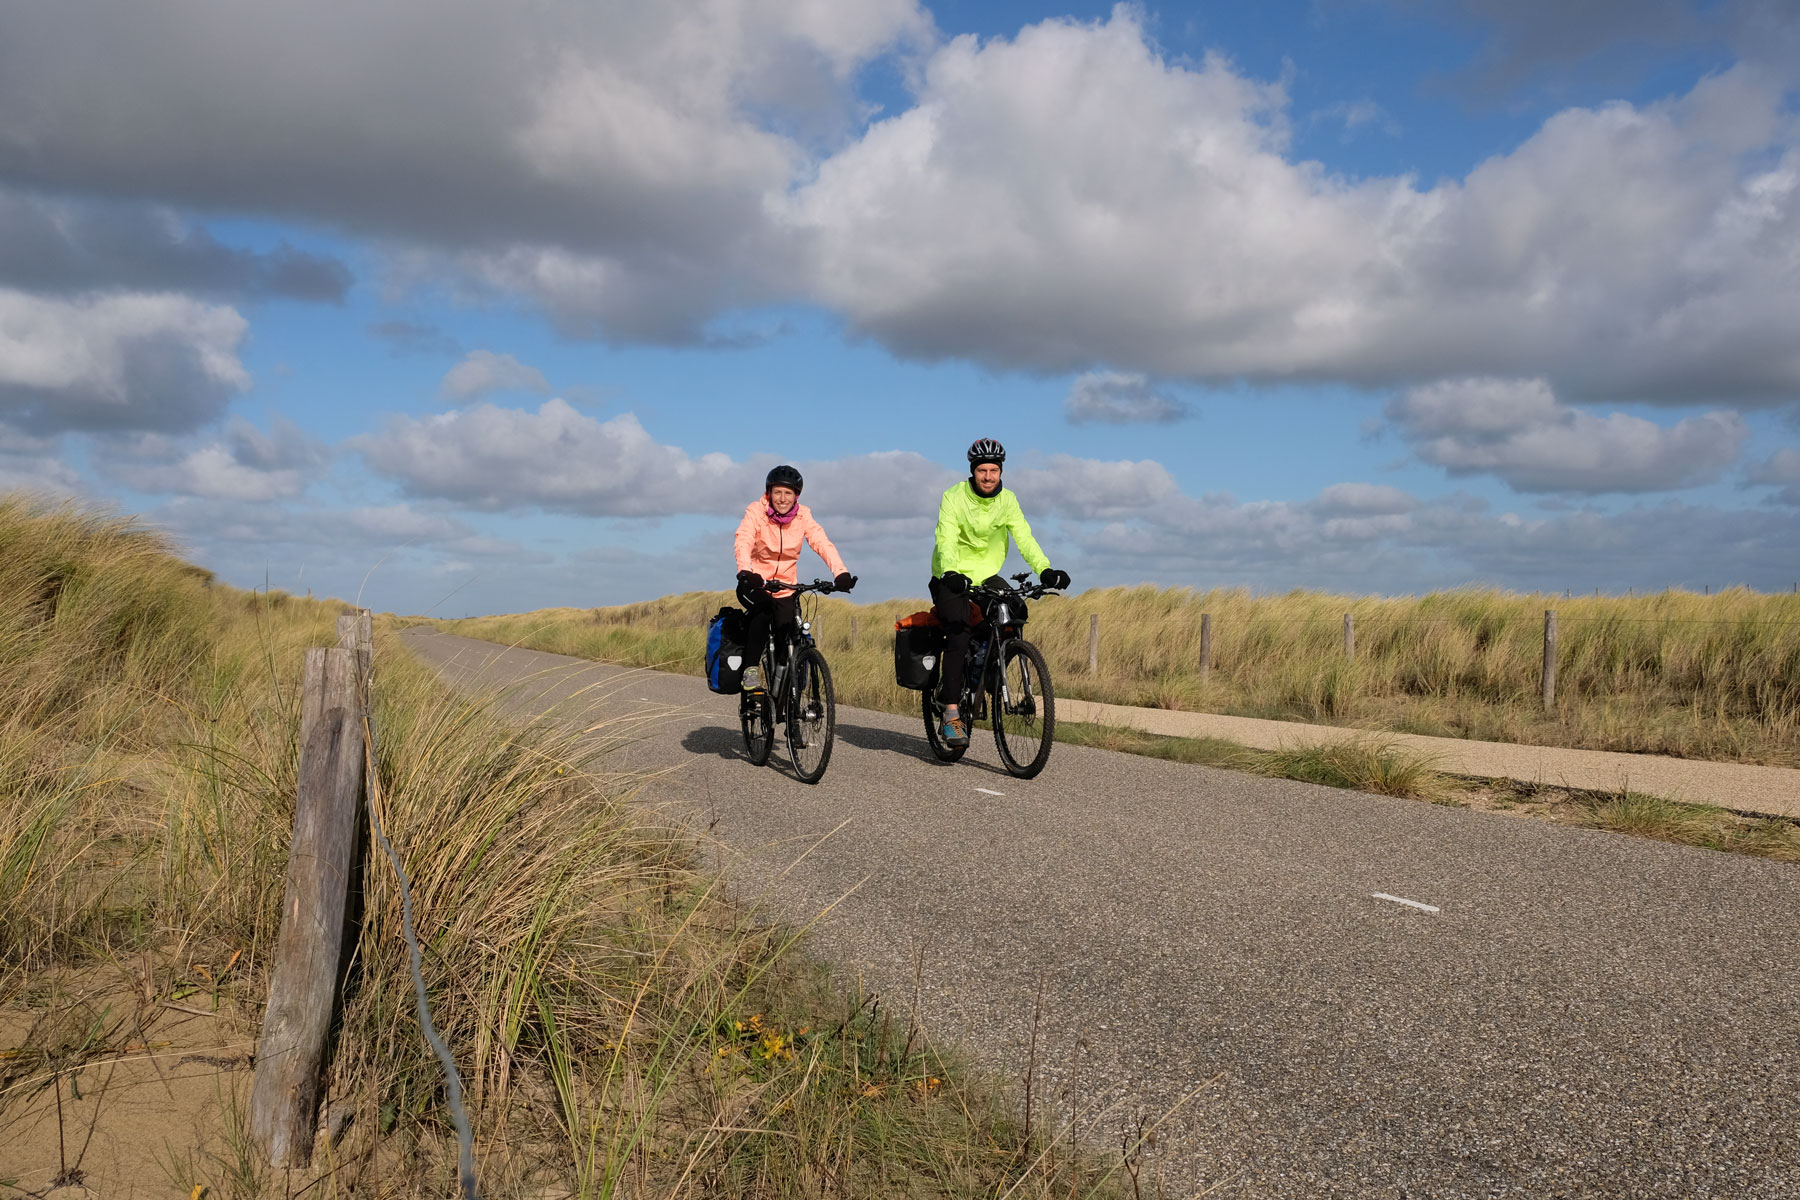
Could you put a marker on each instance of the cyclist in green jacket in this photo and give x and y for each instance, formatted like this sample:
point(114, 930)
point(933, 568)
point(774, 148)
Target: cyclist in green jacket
point(974, 519)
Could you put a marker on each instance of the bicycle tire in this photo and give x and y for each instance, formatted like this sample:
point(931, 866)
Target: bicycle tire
point(812, 715)
point(757, 716)
point(1024, 710)
point(934, 714)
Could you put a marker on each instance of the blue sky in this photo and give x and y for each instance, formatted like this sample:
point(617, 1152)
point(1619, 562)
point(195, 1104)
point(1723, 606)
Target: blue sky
point(466, 307)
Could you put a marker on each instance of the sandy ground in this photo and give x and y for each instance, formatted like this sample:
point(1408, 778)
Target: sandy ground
point(1766, 791)
point(147, 1087)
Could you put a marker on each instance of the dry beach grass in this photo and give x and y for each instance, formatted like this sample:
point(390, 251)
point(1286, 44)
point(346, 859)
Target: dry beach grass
point(1673, 673)
point(623, 1028)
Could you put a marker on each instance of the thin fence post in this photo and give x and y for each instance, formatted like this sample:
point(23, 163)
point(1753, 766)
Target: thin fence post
point(1349, 637)
point(1093, 643)
point(310, 946)
point(1549, 659)
point(1205, 645)
point(853, 631)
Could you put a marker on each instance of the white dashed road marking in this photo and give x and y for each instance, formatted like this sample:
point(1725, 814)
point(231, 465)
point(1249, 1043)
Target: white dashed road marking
point(990, 791)
point(1408, 903)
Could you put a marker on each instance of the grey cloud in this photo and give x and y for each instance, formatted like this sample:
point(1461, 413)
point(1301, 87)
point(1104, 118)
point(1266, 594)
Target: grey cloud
point(482, 373)
point(245, 464)
point(65, 245)
point(1093, 489)
point(1526, 41)
point(35, 464)
point(560, 459)
point(1517, 431)
point(557, 459)
point(591, 154)
point(1551, 45)
point(1120, 398)
point(877, 486)
point(1780, 470)
point(1363, 500)
point(1442, 542)
point(116, 363)
point(413, 337)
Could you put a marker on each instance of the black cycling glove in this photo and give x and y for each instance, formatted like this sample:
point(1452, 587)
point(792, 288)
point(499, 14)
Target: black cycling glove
point(751, 580)
point(955, 582)
point(1053, 577)
point(843, 582)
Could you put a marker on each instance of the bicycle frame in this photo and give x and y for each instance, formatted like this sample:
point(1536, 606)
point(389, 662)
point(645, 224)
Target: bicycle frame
point(997, 616)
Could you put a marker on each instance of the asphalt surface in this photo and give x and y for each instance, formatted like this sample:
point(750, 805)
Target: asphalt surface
point(1586, 1015)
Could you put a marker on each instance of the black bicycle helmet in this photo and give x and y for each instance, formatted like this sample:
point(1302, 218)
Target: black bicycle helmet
point(784, 476)
point(987, 450)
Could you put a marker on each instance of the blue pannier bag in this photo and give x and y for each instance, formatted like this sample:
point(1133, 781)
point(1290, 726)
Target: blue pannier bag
point(725, 651)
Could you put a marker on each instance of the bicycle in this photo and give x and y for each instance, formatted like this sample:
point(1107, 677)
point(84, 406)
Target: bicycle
point(1008, 669)
point(797, 692)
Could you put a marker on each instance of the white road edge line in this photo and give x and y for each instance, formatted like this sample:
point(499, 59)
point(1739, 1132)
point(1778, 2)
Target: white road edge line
point(1405, 901)
point(990, 791)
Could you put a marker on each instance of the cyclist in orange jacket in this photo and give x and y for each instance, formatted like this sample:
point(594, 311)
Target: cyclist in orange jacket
point(768, 555)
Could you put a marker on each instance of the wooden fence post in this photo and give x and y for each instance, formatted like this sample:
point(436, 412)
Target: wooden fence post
point(1349, 637)
point(1093, 643)
point(1205, 645)
point(356, 632)
point(1549, 659)
point(309, 949)
point(853, 631)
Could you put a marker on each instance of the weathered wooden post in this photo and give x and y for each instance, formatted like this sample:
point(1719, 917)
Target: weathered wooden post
point(1349, 637)
point(853, 631)
point(1549, 659)
point(309, 949)
point(356, 632)
point(1093, 643)
point(1205, 645)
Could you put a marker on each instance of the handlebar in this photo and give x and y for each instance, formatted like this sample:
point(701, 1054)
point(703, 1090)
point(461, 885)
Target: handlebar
point(822, 586)
point(1020, 585)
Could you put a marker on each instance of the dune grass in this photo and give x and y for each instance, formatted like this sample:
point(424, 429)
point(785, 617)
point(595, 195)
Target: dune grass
point(622, 1028)
point(1673, 673)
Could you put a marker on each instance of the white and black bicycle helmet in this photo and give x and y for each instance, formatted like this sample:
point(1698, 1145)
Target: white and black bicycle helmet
point(986, 450)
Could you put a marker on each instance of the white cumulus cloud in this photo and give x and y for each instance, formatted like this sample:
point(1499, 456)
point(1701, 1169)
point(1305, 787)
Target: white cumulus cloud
point(1518, 431)
point(117, 362)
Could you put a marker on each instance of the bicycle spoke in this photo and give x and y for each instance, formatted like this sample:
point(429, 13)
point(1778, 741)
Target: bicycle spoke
point(1024, 710)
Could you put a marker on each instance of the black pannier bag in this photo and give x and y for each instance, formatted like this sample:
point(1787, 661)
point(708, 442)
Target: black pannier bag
point(725, 651)
point(917, 649)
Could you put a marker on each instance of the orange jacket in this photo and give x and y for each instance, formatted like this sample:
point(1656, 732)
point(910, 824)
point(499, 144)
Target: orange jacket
point(773, 551)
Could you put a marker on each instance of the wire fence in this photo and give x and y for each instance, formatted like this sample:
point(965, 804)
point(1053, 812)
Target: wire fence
point(338, 785)
point(459, 1117)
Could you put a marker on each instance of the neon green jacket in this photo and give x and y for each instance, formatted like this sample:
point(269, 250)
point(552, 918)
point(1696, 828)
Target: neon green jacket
point(971, 533)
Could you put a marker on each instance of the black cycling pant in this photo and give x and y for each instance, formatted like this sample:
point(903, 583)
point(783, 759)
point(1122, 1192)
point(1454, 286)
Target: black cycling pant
point(953, 611)
point(781, 613)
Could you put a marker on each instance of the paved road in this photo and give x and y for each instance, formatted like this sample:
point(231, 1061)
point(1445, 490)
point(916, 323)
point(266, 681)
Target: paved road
point(1588, 1015)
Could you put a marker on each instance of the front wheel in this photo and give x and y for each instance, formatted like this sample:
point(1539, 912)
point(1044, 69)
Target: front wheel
point(757, 715)
point(934, 719)
point(1024, 710)
point(811, 716)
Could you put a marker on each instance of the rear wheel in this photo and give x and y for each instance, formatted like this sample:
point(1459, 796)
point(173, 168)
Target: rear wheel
point(812, 716)
point(1024, 710)
point(934, 719)
point(757, 715)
